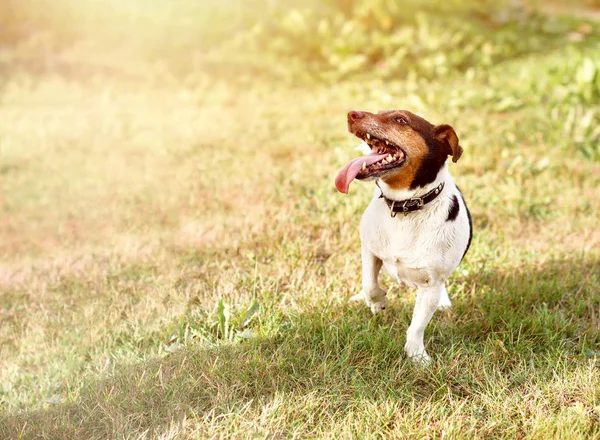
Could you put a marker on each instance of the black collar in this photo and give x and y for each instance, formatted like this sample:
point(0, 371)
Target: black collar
point(412, 204)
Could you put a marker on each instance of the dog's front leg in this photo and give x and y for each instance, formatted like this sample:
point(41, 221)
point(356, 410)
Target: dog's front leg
point(428, 299)
point(374, 296)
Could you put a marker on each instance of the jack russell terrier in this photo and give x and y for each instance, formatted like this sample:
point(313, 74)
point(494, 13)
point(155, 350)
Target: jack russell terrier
point(417, 225)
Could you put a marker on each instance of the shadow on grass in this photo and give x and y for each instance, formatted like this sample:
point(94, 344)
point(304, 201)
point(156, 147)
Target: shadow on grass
point(512, 328)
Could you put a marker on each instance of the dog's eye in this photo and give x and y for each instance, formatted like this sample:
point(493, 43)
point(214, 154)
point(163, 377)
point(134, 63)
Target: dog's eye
point(400, 120)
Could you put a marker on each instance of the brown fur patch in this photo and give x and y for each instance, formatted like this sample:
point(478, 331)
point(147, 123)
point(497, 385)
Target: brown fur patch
point(446, 134)
point(385, 125)
point(416, 151)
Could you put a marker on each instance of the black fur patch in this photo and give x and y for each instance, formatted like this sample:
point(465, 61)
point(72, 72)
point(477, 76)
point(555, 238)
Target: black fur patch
point(453, 211)
point(434, 160)
point(470, 224)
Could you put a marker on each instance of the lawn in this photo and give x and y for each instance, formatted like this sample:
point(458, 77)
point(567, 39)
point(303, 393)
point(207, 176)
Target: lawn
point(175, 261)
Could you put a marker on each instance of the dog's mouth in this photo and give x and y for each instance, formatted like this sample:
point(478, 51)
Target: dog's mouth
point(384, 157)
point(394, 156)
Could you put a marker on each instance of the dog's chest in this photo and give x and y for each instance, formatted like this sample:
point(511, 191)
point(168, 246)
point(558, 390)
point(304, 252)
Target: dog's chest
point(410, 247)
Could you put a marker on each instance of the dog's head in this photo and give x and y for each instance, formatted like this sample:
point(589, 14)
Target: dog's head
point(407, 151)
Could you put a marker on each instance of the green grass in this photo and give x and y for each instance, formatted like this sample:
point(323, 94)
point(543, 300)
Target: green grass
point(175, 261)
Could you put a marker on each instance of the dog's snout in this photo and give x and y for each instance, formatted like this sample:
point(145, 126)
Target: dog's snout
point(354, 115)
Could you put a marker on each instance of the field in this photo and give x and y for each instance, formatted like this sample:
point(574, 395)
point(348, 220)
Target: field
point(175, 261)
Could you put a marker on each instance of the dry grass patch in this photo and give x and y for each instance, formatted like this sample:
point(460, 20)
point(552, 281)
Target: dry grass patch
point(175, 260)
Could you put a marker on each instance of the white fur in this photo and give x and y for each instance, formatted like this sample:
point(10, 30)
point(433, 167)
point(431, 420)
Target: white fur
point(420, 250)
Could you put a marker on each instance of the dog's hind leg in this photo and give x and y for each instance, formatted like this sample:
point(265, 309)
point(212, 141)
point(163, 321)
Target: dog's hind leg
point(374, 296)
point(428, 300)
point(445, 302)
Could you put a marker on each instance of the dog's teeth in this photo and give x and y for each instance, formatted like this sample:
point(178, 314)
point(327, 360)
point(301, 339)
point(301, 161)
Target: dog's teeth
point(387, 143)
point(364, 166)
point(389, 157)
point(368, 136)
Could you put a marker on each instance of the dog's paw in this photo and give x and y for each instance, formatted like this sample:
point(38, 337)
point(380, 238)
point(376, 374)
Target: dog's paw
point(378, 305)
point(422, 359)
point(375, 302)
point(360, 296)
point(417, 353)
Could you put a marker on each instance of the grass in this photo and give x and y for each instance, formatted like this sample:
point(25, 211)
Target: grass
point(175, 260)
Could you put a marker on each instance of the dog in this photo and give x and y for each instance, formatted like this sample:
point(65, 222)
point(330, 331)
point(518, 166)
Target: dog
point(417, 226)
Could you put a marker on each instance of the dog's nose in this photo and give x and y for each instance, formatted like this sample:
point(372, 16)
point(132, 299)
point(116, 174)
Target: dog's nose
point(354, 115)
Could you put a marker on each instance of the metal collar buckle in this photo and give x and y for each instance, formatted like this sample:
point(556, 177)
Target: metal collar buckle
point(410, 203)
point(407, 205)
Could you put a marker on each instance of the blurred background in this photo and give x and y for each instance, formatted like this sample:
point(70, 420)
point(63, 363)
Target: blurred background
point(277, 39)
point(167, 167)
point(103, 101)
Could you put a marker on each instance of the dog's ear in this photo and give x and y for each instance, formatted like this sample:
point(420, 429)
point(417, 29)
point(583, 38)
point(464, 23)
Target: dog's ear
point(447, 137)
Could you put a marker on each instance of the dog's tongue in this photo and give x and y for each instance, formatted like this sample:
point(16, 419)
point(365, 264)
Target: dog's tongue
point(352, 168)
